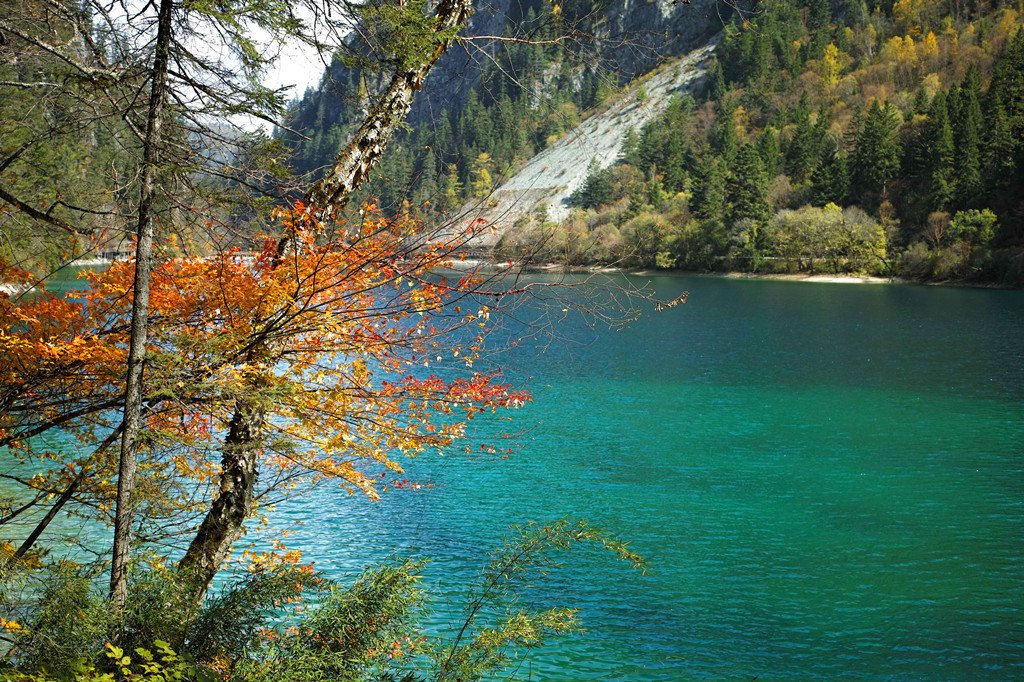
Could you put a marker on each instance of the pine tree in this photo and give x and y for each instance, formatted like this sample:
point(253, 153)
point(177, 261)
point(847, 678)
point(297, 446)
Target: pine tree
point(596, 189)
point(876, 154)
point(768, 150)
point(968, 141)
point(802, 153)
point(1001, 151)
point(941, 154)
point(724, 137)
point(676, 160)
point(1007, 91)
point(819, 14)
point(716, 80)
point(921, 103)
point(631, 148)
point(709, 200)
point(426, 178)
point(831, 182)
point(748, 188)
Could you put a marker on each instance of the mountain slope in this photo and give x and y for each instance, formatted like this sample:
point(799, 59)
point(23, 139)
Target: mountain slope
point(547, 181)
point(507, 97)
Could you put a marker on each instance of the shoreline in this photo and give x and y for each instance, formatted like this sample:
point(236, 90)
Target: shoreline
point(815, 278)
point(847, 279)
point(471, 264)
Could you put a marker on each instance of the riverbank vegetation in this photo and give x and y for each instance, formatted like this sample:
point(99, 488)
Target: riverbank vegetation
point(833, 137)
point(279, 619)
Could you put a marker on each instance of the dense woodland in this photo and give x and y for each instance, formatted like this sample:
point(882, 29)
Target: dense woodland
point(881, 140)
point(843, 137)
point(501, 111)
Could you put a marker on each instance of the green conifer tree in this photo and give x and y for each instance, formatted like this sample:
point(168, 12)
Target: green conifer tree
point(748, 188)
point(709, 201)
point(876, 155)
point(802, 152)
point(831, 182)
point(941, 155)
point(630, 148)
point(968, 141)
point(768, 150)
point(724, 138)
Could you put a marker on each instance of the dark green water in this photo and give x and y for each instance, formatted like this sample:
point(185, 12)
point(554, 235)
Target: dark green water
point(827, 481)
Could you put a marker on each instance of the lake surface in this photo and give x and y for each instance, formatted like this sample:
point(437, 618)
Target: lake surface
point(827, 481)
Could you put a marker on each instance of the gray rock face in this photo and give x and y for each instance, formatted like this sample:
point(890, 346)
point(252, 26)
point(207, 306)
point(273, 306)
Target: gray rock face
point(634, 36)
point(547, 181)
point(623, 37)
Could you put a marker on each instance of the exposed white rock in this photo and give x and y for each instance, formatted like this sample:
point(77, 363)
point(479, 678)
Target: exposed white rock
point(552, 176)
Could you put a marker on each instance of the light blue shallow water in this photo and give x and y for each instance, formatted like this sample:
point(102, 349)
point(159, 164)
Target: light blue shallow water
point(827, 481)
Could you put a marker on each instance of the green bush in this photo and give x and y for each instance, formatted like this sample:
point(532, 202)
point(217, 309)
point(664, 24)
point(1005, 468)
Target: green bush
point(253, 629)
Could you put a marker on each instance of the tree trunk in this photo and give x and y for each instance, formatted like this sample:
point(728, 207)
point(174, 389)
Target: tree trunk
point(362, 153)
point(223, 522)
point(128, 460)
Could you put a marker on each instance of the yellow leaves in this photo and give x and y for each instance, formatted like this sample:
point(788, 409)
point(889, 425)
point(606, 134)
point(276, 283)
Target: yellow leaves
point(10, 625)
point(830, 67)
point(929, 48)
point(901, 50)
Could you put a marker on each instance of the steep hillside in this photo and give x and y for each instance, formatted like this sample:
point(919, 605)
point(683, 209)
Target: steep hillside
point(491, 105)
point(830, 138)
point(546, 182)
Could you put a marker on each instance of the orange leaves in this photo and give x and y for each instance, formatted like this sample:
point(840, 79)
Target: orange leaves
point(323, 338)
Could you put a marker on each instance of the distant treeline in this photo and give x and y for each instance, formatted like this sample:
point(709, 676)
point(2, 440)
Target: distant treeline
point(833, 137)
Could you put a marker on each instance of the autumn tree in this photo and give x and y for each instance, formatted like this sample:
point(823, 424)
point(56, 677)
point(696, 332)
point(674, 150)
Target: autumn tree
point(294, 366)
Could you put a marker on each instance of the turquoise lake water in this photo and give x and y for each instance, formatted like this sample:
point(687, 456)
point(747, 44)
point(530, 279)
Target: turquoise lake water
point(827, 481)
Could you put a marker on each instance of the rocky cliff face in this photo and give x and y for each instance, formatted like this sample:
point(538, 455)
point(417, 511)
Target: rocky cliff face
point(634, 36)
point(622, 38)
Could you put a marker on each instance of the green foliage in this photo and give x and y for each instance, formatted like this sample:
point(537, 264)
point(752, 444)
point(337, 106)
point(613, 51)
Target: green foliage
point(229, 625)
point(831, 183)
point(349, 634)
point(941, 153)
point(802, 153)
point(159, 663)
point(67, 622)
point(977, 228)
point(918, 106)
point(409, 32)
point(830, 239)
point(644, 237)
point(596, 189)
point(877, 152)
point(479, 649)
point(748, 188)
point(288, 623)
point(843, 110)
